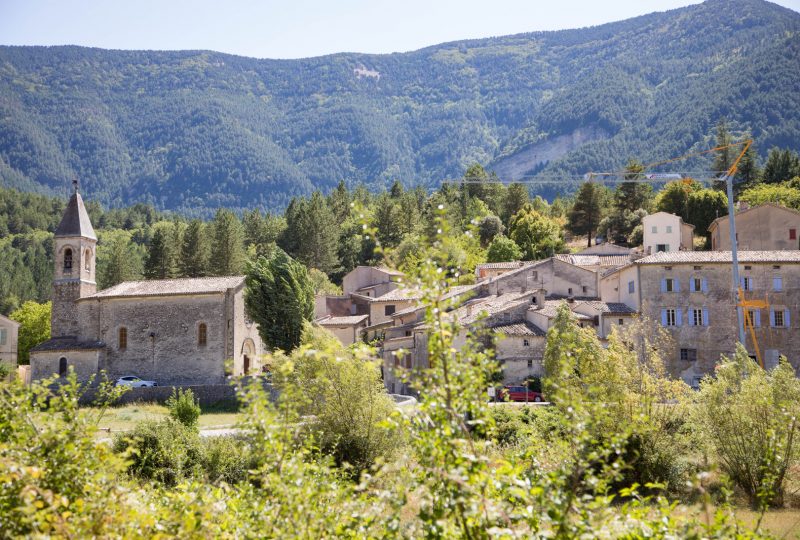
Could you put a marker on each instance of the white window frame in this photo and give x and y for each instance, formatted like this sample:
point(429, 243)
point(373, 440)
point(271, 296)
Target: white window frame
point(672, 317)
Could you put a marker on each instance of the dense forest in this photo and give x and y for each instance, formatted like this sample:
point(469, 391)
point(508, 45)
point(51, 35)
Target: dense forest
point(193, 131)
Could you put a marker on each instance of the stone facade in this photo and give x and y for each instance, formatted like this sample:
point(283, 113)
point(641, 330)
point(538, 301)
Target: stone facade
point(180, 331)
point(698, 305)
point(765, 227)
point(9, 331)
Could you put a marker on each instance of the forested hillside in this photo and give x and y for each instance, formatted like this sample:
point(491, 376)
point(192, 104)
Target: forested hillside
point(196, 130)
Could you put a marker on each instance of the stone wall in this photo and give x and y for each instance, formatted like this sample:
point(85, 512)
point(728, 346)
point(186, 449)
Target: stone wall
point(84, 362)
point(208, 394)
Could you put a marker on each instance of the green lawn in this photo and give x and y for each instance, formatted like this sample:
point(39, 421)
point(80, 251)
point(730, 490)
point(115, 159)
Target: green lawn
point(126, 417)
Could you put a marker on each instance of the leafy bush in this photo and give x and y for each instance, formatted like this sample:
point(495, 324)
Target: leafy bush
point(166, 451)
point(183, 407)
point(227, 459)
point(750, 418)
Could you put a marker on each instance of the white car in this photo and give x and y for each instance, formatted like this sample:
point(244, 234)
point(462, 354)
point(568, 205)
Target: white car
point(134, 382)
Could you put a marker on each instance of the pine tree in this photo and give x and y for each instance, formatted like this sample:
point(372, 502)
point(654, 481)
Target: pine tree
point(516, 197)
point(228, 250)
point(782, 165)
point(118, 259)
point(587, 211)
point(339, 202)
point(158, 264)
point(280, 299)
point(194, 251)
point(317, 234)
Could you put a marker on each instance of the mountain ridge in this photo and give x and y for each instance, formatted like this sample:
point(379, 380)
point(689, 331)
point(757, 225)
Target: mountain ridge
point(194, 130)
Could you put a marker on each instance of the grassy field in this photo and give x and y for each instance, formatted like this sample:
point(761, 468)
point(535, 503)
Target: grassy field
point(125, 417)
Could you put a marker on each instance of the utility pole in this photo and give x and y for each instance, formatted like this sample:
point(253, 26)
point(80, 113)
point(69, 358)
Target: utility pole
point(734, 257)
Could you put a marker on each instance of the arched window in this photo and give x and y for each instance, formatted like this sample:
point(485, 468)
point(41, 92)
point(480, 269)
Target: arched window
point(62, 366)
point(87, 260)
point(68, 260)
point(123, 337)
point(202, 334)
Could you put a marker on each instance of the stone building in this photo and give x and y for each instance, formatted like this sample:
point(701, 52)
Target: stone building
point(766, 227)
point(178, 331)
point(691, 295)
point(9, 331)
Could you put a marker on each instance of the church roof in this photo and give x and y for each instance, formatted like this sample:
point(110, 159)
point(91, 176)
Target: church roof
point(171, 287)
point(76, 220)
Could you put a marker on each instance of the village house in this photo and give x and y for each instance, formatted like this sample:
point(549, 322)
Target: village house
point(691, 295)
point(766, 227)
point(9, 331)
point(663, 231)
point(177, 331)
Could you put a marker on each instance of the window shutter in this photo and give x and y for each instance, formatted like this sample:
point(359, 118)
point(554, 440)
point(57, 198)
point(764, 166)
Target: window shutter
point(691, 285)
point(676, 285)
point(705, 317)
point(786, 322)
point(741, 283)
point(663, 317)
point(690, 315)
point(663, 285)
point(704, 285)
point(678, 313)
point(777, 283)
point(772, 317)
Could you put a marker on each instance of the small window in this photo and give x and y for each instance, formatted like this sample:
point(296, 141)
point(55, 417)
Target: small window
point(698, 267)
point(669, 229)
point(389, 310)
point(689, 355)
point(776, 267)
point(3, 336)
point(87, 260)
point(526, 343)
point(408, 333)
point(62, 367)
point(792, 234)
point(123, 338)
point(202, 334)
point(747, 283)
point(569, 290)
point(669, 285)
point(670, 317)
point(662, 247)
point(530, 362)
point(68, 260)
point(697, 317)
point(654, 229)
point(698, 284)
point(621, 322)
point(777, 319)
point(631, 287)
point(748, 267)
point(584, 288)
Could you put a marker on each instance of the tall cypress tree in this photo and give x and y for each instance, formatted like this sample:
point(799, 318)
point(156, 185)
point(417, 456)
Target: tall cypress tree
point(228, 250)
point(194, 251)
point(318, 235)
point(586, 213)
point(158, 264)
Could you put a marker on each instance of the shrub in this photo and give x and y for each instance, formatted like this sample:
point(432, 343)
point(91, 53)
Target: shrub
point(227, 459)
point(166, 451)
point(183, 407)
point(750, 418)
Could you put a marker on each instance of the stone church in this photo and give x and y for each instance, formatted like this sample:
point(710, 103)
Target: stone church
point(174, 331)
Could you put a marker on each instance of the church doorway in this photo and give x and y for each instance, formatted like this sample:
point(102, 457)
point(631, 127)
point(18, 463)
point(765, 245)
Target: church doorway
point(246, 369)
point(248, 353)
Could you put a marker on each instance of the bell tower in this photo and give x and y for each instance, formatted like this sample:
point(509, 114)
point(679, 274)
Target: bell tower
point(74, 276)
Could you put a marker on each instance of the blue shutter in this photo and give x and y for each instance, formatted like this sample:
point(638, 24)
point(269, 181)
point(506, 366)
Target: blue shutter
point(691, 285)
point(678, 321)
point(676, 285)
point(663, 317)
point(772, 317)
point(741, 283)
point(663, 285)
point(777, 283)
point(786, 321)
point(704, 285)
point(757, 318)
point(705, 317)
point(690, 316)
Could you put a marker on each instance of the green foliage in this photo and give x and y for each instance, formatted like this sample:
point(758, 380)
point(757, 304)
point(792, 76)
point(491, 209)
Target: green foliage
point(321, 284)
point(587, 210)
point(183, 407)
point(750, 419)
point(311, 234)
point(785, 194)
point(118, 258)
point(674, 198)
point(782, 165)
point(704, 206)
point(227, 459)
point(160, 258)
point(166, 451)
point(34, 327)
point(536, 235)
point(279, 298)
point(228, 249)
point(194, 261)
point(503, 249)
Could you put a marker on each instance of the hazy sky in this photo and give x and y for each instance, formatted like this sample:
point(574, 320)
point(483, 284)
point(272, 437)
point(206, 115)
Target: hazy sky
point(299, 28)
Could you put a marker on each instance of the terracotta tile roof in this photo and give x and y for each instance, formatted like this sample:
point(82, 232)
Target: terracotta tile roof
point(520, 329)
point(700, 257)
point(69, 343)
point(399, 294)
point(490, 305)
point(170, 287)
point(76, 220)
point(611, 307)
point(342, 321)
point(503, 265)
